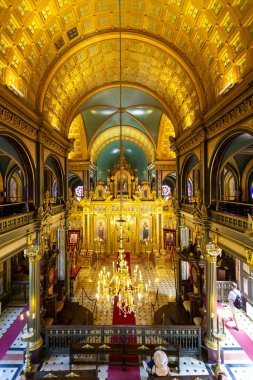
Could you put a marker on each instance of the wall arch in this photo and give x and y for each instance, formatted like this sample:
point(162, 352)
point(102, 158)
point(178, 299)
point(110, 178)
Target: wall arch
point(17, 152)
point(53, 164)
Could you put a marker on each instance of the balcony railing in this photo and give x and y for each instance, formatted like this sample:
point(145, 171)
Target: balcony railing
point(58, 338)
point(237, 222)
point(17, 214)
point(15, 221)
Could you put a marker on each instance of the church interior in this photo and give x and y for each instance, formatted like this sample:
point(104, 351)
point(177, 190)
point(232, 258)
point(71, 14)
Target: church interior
point(126, 188)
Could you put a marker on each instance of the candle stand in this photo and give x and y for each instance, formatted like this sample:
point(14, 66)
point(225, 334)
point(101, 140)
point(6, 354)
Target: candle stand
point(27, 333)
point(148, 250)
point(27, 336)
point(219, 336)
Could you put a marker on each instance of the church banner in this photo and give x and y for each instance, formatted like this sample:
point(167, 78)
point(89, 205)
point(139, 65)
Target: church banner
point(169, 237)
point(73, 239)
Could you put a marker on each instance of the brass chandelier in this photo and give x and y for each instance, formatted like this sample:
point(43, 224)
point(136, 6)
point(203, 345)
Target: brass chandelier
point(131, 292)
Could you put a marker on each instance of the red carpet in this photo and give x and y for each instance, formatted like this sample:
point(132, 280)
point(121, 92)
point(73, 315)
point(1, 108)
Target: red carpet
point(240, 336)
point(10, 335)
point(115, 372)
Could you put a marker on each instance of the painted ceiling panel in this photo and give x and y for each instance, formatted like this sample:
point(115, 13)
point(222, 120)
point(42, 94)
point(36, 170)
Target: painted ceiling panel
point(126, 120)
point(109, 156)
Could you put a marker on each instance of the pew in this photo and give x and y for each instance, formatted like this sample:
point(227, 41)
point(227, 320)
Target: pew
point(90, 374)
point(171, 350)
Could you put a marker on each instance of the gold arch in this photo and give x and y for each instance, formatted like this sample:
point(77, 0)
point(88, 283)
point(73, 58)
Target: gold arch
point(129, 134)
point(168, 110)
point(59, 91)
point(111, 36)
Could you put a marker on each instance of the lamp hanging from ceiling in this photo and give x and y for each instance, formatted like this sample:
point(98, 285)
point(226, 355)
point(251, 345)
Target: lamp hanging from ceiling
point(131, 292)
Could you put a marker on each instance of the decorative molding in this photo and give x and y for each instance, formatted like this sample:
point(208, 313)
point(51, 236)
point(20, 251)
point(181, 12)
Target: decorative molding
point(196, 139)
point(237, 114)
point(51, 144)
point(17, 123)
point(30, 130)
point(165, 167)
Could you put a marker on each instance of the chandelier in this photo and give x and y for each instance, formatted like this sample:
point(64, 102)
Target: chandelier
point(131, 292)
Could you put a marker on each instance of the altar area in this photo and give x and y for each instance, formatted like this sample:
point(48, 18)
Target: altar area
point(149, 221)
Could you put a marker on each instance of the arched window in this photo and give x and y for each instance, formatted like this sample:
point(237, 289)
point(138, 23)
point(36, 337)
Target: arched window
point(13, 190)
point(251, 190)
point(14, 187)
point(189, 187)
point(54, 188)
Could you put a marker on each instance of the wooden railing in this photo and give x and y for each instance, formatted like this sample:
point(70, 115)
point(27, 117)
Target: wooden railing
point(58, 338)
point(19, 291)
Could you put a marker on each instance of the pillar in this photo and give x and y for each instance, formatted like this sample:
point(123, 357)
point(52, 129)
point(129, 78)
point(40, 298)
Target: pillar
point(61, 245)
point(34, 254)
point(211, 295)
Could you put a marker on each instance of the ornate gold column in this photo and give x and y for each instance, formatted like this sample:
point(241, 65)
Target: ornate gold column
point(211, 294)
point(34, 253)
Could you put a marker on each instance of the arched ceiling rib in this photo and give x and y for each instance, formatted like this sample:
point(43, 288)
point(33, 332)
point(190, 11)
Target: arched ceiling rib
point(128, 134)
point(169, 46)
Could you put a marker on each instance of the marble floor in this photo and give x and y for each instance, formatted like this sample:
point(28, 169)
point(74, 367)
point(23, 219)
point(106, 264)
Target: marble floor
point(237, 366)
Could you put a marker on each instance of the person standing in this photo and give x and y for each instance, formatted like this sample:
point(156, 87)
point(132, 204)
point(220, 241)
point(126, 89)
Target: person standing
point(231, 299)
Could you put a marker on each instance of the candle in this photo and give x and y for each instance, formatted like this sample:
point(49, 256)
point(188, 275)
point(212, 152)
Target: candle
point(22, 322)
point(28, 320)
point(211, 322)
point(218, 323)
point(223, 325)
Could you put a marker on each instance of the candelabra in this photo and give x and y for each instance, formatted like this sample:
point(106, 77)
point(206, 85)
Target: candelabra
point(148, 249)
point(131, 291)
point(97, 251)
point(219, 335)
point(27, 333)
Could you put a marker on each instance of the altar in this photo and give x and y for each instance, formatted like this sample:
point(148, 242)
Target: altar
point(146, 216)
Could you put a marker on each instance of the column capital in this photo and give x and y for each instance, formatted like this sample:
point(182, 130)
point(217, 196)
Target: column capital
point(212, 252)
point(34, 253)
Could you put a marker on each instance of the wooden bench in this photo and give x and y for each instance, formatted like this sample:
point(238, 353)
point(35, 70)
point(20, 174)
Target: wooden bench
point(90, 374)
point(171, 350)
point(120, 352)
point(80, 352)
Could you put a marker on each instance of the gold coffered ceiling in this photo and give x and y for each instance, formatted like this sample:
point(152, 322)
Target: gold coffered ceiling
point(59, 52)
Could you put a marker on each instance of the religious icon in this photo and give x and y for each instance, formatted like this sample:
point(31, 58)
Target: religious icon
point(73, 238)
point(145, 231)
point(122, 183)
point(169, 238)
point(100, 231)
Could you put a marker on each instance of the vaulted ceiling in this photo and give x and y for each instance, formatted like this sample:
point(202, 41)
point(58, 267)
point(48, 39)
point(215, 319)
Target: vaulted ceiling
point(177, 56)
